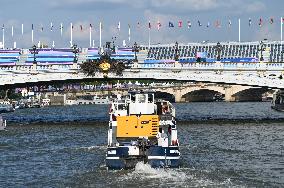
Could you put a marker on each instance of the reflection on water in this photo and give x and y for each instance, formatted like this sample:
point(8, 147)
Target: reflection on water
point(245, 153)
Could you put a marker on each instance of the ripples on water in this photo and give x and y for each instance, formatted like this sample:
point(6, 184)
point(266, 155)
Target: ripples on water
point(246, 153)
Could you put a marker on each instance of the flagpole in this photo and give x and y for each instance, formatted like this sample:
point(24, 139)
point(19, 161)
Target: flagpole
point(22, 29)
point(100, 34)
point(129, 34)
point(12, 31)
point(90, 36)
point(71, 34)
point(32, 35)
point(149, 38)
point(281, 29)
point(3, 36)
point(239, 30)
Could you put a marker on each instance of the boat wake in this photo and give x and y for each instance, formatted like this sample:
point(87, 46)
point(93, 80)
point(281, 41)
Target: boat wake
point(90, 148)
point(169, 174)
point(147, 176)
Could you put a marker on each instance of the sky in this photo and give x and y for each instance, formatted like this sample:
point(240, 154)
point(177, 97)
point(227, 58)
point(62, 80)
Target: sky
point(41, 13)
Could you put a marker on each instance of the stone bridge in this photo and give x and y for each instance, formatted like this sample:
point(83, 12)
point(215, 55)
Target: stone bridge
point(179, 92)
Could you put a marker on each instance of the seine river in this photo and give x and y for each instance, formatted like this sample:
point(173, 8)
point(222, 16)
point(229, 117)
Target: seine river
point(222, 145)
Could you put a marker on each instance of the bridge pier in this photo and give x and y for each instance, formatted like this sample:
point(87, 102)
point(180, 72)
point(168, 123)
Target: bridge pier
point(229, 95)
point(178, 96)
point(34, 66)
point(231, 91)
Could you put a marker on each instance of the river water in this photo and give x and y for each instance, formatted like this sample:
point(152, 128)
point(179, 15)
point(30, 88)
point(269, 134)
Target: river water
point(222, 145)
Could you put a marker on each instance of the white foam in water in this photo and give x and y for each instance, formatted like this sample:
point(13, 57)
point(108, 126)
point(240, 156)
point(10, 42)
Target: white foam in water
point(142, 168)
point(145, 174)
point(159, 176)
point(89, 148)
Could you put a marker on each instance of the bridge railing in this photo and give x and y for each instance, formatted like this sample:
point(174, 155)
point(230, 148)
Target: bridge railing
point(171, 66)
point(215, 66)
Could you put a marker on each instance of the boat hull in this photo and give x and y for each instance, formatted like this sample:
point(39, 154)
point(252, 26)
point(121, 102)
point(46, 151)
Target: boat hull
point(156, 156)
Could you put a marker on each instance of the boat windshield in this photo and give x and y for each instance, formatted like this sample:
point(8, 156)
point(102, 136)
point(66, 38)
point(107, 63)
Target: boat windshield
point(141, 98)
point(121, 107)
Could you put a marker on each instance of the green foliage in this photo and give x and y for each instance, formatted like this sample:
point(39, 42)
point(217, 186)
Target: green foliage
point(10, 94)
point(91, 67)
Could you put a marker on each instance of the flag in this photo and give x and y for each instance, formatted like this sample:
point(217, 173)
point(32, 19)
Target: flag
point(230, 23)
point(3, 27)
point(179, 23)
point(188, 24)
point(51, 26)
point(208, 24)
point(118, 26)
point(271, 20)
point(171, 24)
point(260, 22)
point(32, 26)
point(218, 24)
point(199, 23)
point(159, 25)
point(81, 27)
point(149, 25)
point(249, 21)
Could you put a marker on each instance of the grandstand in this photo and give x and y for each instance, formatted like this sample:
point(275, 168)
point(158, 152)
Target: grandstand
point(9, 57)
point(230, 52)
point(47, 56)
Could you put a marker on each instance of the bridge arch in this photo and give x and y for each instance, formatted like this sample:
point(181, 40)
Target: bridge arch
point(250, 94)
point(160, 94)
point(180, 92)
point(217, 89)
point(203, 95)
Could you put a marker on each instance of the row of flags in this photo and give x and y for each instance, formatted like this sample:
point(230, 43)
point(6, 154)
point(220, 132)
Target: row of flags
point(151, 25)
point(217, 23)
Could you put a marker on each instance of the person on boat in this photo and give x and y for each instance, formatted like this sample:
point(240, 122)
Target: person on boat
point(162, 138)
point(164, 109)
point(170, 130)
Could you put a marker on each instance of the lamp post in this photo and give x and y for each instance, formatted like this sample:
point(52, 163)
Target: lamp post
point(113, 44)
point(176, 52)
point(261, 50)
point(75, 50)
point(135, 49)
point(218, 48)
point(34, 51)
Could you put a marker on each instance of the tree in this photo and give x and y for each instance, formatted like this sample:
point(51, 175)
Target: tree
point(105, 64)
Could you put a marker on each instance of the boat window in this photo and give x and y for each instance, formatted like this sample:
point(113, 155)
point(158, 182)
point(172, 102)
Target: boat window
point(132, 98)
point(141, 98)
point(121, 107)
point(150, 98)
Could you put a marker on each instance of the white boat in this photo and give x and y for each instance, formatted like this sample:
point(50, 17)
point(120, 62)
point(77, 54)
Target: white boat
point(142, 129)
point(2, 123)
